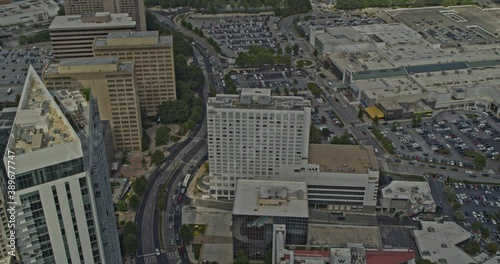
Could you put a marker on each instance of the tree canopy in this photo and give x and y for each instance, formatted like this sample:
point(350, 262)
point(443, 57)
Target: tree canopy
point(134, 201)
point(472, 248)
point(157, 157)
point(359, 4)
point(241, 258)
point(257, 56)
point(315, 135)
point(186, 233)
point(140, 185)
point(41, 36)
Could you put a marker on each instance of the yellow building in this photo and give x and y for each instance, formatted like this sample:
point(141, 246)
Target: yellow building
point(114, 84)
point(153, 57)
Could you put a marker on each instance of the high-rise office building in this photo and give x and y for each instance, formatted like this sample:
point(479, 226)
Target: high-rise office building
point(153, 57)
point(135, 8)
point(113, 83)
point(7, 116)
point(255, 136)
point(63, 194)
point(73, 36)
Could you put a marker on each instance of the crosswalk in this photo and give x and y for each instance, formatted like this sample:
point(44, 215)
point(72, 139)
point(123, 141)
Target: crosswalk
point(150, 259)
point(172, 255)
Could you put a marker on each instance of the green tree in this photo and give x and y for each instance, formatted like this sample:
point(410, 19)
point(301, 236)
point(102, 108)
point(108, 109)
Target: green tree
point(414, 121)
point(472, 248)
point(485, 232)
point(130, 228)
point(325, 132)
point(476, 226)
point(480, 161)
point(295, 91)
point(241, 258)
point(134, 201)
point(61, 12)
point(173, 112)
point(376, 121)
point(212, 92)
point(140, 185)
point(456, 206)
point(157, 157)
point(315, 53)
point(186, 234)
point(360, 113)
point(286, 91)
point(162, 135)
point(419, 120)
point(122, 206)
point(492, 247)
point(459, 215)
point(130, 244)
point(315, 90)
point(315, 135)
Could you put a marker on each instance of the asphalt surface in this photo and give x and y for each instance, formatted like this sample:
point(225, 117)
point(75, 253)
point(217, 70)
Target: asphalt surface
point(186, 155)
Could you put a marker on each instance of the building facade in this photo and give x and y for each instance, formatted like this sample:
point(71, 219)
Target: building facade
point(7, 116)
point(113, 83)
point(135, 8)
point(153, 57)
point(255, 135)
point(61, 185)
point(28, 13)
point(73, 36)
point(261, 205)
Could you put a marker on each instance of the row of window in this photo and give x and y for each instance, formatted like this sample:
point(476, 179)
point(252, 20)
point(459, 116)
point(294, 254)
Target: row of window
point(335, 187)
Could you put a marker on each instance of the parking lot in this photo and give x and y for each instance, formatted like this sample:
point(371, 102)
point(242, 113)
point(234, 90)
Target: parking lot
point(448, 139)
point(480, 203)
point(338, 19)
point(455, 26)
point(276, 78)
point(15, 62)
point(236, 33)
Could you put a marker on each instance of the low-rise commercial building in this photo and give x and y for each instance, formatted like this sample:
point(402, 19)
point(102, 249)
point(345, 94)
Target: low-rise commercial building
point(28, 13)
point(408, 197)
point(113, 83)
point(342, 178)
point(258, 206)
point(437, 242)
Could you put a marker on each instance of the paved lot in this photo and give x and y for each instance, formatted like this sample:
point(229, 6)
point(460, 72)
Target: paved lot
point(221, 253)
point(218, 221)
point(397, 237)
point(451, 26)
point(338, 236)
point(452, 132)
point(236, 33)
point(337, 19)
point(479, 203)
point(15, 62)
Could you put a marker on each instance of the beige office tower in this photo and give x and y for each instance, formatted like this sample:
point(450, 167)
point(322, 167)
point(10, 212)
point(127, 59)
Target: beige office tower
point(73, 36)
point(114, 84)
point(153, 57)
point(135, 8)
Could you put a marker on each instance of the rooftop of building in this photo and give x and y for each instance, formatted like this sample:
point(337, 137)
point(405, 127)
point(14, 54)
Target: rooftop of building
point(271, 198)
point(388, 256)
point(74, 104)
point(144, 37)
point(251, 98)
point(343, 158)
point(112, 64)
point(416, 192)
point(27, 7)
point(7, 260)
point(39, 122)
point(101, 20)
point(432, 21)
point(437, 242)
point(390, 105)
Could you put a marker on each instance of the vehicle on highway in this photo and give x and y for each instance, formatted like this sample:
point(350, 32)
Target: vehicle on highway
point(179, 199)
point(170, 219)
point(172, 242)
point(341, 218)
point(157, 252)
point(177, 237)
point(177, 208)
point(170, 227)
point(183, 190)
point(181, 250)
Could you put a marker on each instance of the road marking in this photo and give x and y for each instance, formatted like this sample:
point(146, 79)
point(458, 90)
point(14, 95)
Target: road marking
point(172, 255)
